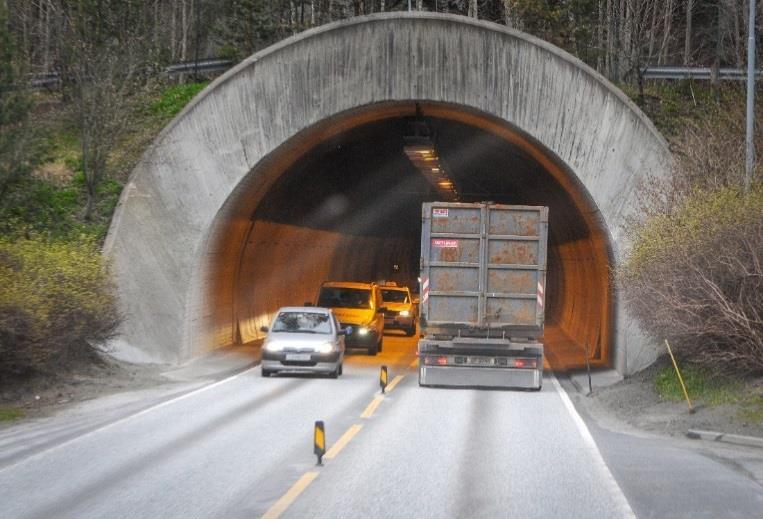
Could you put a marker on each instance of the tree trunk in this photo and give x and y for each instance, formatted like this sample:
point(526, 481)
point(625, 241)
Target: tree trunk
point(738, 46)
point(600, 39)
point(667, 27)
point(173, 32)
point(507, 14)
point(612, 65)
point(473, 9)
point(687, 42)
point(623, 47)
point(183, 30)
point(652, 31)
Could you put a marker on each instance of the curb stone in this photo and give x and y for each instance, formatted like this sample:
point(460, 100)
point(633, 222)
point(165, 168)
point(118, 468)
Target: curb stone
point(736, 439)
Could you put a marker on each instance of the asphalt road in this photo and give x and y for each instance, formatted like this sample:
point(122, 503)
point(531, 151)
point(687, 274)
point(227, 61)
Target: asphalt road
point(242, 447)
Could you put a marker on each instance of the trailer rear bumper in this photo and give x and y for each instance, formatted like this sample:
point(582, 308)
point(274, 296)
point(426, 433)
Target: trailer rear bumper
point(463, 376)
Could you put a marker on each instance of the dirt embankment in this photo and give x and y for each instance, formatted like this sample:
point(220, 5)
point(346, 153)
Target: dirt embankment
point(42, 395)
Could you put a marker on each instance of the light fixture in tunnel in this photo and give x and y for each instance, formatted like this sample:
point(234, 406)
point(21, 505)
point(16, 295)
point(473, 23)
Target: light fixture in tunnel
point(420, 150)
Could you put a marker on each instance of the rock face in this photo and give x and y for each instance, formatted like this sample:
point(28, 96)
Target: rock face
point(184, 224)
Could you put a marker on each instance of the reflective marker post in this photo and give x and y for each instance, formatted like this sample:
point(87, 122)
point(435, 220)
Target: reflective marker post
point(319, 441)
point(383, 378)
point(680, 378)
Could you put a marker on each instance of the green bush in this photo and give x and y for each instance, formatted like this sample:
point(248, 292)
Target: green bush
point(56, 306)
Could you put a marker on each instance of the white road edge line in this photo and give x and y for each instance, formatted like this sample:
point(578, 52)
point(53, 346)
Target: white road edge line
point(610, 480)
point(120, 421)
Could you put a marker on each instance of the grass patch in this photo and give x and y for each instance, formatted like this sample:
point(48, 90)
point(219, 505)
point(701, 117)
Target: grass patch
point(700, 384)
point(9, 414)
point(174, 98)
point(671, 104)
point(752, 409)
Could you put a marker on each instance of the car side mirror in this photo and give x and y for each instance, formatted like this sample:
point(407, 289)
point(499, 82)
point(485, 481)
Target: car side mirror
point(308, 303)
point(264, 329)
point(416, 300)
point(347, 330)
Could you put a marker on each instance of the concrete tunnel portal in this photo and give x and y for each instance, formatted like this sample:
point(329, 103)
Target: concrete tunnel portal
point(289, 170)
point(342, 201)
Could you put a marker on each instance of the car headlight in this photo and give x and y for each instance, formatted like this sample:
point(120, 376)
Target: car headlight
point(273, 346)
point(326, 347)
point(404, 313)
point(363, 330)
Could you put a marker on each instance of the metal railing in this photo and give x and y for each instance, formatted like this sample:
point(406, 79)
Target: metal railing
point(701, 73)
point(52, 80)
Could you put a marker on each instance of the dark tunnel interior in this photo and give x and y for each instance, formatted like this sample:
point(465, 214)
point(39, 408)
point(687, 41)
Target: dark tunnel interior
point(349, 208)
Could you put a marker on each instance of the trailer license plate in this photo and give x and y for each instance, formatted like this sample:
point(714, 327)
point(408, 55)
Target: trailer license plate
point(482, 361)
point(297, 356)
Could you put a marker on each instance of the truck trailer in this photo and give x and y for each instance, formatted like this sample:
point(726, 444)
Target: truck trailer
point(483, 284)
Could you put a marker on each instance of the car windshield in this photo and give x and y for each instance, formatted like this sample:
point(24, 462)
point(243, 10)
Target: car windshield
point(302, 322)
point(395, 296)
point(338, 297)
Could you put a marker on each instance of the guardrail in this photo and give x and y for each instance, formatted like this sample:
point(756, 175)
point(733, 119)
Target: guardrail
point(702, 73)
point(53, 79)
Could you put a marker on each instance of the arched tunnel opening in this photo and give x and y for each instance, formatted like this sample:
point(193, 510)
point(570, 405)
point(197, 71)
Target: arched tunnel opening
point(342, 201)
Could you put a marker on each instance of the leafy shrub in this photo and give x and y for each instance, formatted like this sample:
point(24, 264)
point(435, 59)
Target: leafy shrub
point(56, 306)
point(175, 97)
point(694, 275)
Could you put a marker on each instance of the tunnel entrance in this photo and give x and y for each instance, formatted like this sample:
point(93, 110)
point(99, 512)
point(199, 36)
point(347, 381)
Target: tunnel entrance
point(342, 201)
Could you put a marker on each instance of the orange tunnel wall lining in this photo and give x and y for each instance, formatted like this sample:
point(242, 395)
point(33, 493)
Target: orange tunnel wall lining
point(255, 269)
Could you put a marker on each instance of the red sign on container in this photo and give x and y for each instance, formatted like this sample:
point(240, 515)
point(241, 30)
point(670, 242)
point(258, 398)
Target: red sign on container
point(445, 244)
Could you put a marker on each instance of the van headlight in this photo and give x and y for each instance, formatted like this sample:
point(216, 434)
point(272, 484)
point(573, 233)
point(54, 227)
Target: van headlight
point(404, 313)
point(363, 330)
point(326, 347)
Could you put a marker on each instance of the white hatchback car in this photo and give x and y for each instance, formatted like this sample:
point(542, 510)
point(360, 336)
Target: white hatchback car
point(304, 339)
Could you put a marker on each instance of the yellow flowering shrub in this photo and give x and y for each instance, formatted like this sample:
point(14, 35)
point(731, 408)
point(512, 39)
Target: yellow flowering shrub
point(57, 303)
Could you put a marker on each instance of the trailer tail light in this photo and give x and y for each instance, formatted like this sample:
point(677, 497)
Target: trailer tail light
point(525, 363)
point(440, 360)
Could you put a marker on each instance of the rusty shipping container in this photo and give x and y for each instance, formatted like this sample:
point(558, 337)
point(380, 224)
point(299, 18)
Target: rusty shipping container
point(483, 277)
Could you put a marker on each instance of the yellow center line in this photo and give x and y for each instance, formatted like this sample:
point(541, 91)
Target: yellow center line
point(394, 382)
point(372, 406)
point(348, 435)
point(288, 498)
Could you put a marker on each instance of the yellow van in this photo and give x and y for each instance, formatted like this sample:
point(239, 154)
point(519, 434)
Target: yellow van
point(358, 305)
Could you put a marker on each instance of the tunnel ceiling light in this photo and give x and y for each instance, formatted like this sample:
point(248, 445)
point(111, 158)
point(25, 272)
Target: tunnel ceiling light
point(420, 150)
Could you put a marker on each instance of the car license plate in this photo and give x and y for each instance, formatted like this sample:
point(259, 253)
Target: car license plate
point(482, 361)
point(297, 356)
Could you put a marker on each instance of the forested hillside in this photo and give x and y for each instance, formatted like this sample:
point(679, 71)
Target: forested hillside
point(65, 153)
